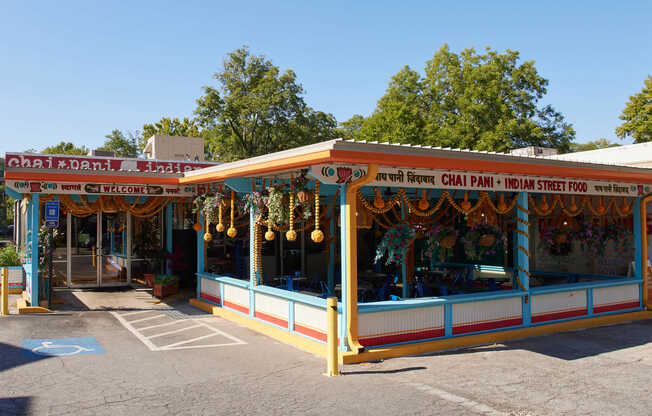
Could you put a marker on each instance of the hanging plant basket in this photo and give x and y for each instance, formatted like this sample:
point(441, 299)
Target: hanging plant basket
point(304, 197)
point(557, 240)
point(440, 239)
point(561, 238)
point(277, 206)
point(395, 244)
point(482, 240)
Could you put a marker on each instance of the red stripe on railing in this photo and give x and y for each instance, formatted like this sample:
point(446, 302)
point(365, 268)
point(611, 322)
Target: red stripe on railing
point(616, 307)
point(210, 297)
point(271, 319)
point(553, 316)
point(312, 333)
point(484, 326)
point(408, 336)
point(236, 307)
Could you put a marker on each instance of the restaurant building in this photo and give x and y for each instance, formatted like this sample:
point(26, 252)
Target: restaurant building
point(425, 248)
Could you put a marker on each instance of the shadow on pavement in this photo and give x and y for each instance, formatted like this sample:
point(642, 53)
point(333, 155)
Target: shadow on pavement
point(12, 356)
point(398, 370)
point(573, 345)
point(11, 406)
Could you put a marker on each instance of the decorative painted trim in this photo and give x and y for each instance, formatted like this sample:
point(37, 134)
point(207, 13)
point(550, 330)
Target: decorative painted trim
point(487, 325)
point(395, 338)
point(235, 306)
point(616, 306)
point(212, 298)
point(310, 332)
point(557, 315)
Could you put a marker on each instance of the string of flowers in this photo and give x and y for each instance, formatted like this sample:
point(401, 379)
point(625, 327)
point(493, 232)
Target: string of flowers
point(483, 240)
point(440, 239)
point(395, 244)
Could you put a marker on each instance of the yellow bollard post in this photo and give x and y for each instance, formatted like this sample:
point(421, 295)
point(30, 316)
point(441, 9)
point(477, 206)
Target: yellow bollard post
point(5, 291)
point(93, 255)
point(331, 313)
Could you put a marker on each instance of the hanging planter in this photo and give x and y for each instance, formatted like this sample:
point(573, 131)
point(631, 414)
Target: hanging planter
point(557, 240)
point(441, 239)
point(300, 186)
point(482, 240)
point(278, 214)
point(254, 201)
point(592, 237)
point(395, 244)
point(209, 205)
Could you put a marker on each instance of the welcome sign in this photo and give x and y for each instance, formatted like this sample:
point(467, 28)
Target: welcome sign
point(478, 181)
point(87, 188)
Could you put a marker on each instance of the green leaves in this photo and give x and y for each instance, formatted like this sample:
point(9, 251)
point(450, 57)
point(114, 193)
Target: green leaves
point(478, 101)
point(256, 110)
point(65, 148)
point(637, 115)
point(122, 146)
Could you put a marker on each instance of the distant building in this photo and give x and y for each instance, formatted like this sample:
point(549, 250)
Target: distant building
point(174, 148)
point(534, 151)
point(638, 155)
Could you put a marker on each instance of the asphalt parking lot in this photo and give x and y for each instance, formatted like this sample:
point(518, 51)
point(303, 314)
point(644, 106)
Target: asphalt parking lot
point(601, 371)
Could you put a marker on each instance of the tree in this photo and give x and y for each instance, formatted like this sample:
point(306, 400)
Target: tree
point(169, 127)
point(257, 110)
point(478, 101)
point(121, 145)
point(351, 128)
point(637, 115)
point(593, 145)
point(65, 148)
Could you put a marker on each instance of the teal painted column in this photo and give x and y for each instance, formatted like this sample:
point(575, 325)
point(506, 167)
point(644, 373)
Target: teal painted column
point(343, 268)
point(406, 290)
point(331, 247)
point(169, 211)
point(200, 253)
point(34, 221)
point(521, 253)
point(253, 276)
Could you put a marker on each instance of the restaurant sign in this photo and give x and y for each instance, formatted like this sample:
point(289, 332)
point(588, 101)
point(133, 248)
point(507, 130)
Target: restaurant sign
point(101, 164)
point(446, 179)
point(86, 188)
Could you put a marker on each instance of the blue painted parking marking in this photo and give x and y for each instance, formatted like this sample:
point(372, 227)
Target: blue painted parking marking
point(61, 347)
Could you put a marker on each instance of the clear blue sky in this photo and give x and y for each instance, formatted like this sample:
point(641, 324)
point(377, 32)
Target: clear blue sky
point(76, 70)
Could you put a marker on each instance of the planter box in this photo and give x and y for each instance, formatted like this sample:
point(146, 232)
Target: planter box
point(161, 291)
point(149, 279)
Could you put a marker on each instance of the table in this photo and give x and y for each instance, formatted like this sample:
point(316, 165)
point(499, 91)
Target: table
point(289, 281)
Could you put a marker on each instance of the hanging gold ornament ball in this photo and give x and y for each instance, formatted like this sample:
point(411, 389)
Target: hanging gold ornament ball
point(219, 228)
point(269, 235)
point(232, 232)
point(291, 235)
point(208, 237)
point(317, 236)
point(423, 204)
point(197, 227)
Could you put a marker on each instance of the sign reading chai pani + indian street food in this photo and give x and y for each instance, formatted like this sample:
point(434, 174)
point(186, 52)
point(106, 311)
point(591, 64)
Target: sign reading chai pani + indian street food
point(445, 179)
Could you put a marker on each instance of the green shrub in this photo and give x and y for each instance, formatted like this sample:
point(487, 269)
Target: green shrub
point(165, 279)
point(9, 256)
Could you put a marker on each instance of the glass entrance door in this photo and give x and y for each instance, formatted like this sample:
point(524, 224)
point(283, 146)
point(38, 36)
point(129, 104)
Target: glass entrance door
point(113, 249)
point(83, 251)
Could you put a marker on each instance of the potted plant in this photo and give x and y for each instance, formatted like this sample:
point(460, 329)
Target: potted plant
point(255, 200)
point(395, 244)
point(440, 238)
point(209, 204)
point(10, 259)
point(300, 186)
point(165, 285)
point(277, 206)
point(483, 239)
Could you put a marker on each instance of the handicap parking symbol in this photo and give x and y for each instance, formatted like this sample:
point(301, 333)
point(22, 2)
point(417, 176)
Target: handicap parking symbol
point(61, 347)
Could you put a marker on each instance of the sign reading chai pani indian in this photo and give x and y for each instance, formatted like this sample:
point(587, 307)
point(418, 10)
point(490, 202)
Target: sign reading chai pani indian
point(102, 164)
point(86, 188)
point(443, 179)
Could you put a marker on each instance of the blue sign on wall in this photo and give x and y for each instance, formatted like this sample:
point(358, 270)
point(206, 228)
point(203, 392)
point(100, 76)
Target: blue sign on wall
point(61, 347)
point(52, 211)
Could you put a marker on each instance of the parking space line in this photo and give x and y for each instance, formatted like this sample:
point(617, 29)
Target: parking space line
point(133, 330)
point(188, 341)
point(135, 313)
point(149, 318)
point(159, 325)
point(173, 332)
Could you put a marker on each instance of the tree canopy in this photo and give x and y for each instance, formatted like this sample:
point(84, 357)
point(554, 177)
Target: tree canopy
point(479, 101)
point(256, 109)
point(121, 145)
point(169, 127)
point(65, 148)
point(637, 115)
point(592, 145)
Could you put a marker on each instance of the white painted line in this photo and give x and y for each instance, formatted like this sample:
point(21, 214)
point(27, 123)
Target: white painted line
point(136, 313)
point(159, 325)
point(453, 398)
point(189, 347)
point(188, 341)
point(173, 332)
point(149, 318)
point(133, 330)
point(224, 334)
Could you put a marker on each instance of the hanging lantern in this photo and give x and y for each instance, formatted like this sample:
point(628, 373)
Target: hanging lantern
point(502, 206)
point(601, 208)
point(544, 204)
point(378, 200)
point(572, 207)
point(624, 207)
point(423, 202)
point(317, 235)
point(232, 231)
point(466, 204)
point(197, 226)
point(208, 237)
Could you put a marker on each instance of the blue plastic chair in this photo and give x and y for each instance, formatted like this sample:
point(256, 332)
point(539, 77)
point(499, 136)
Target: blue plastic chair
point(325, 292)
